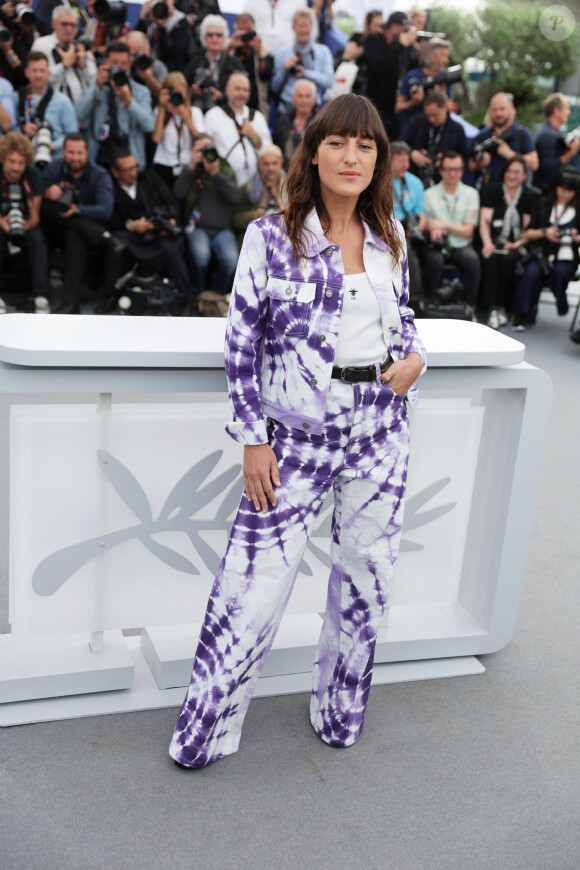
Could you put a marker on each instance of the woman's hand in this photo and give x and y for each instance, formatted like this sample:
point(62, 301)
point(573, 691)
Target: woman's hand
point(403, 373)
point(260, 472)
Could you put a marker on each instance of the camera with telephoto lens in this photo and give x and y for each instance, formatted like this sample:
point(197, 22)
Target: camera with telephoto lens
point(118, 76)
point(176, 99)
point(210, 153)
point(411, 227)
point(15, 208)
point(424, 35)
point(446, 77)
point(68, 197)
point(42, 144)
point(534, 254)
point(24, 14)
point(203, 79)
point(159, 217)
point(160, 10)
point(492, 142)
point(114, 13)
point(565, 249)
point(142, 61)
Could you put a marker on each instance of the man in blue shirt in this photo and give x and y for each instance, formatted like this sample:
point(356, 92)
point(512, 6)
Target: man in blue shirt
point(303, 59)
point(409, 209)
point(513, 140)
point(553, 150)
point(38, 103)
point(77, 207)
point(117, 108)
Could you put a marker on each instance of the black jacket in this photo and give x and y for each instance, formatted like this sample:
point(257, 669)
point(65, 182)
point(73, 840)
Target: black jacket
point(152, 193)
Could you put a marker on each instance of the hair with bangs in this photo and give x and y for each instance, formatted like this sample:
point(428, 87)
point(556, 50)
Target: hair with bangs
point(347, 115)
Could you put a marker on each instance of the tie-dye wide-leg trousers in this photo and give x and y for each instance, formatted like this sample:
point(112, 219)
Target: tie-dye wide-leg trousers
point(362, 453)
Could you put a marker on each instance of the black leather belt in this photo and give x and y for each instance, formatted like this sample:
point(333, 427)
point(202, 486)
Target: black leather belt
point(358, 374)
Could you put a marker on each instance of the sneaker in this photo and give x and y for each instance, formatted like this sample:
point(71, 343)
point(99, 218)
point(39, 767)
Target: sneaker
point(518, 325)
point(503, 318)
point(2, 306)
point(493, 320)
point(41, 305)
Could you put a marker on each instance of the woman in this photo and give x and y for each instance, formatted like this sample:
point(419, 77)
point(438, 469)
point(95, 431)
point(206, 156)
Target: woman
point(177, 122)
point(320, 342)
point(554, 230)
point(505, 213)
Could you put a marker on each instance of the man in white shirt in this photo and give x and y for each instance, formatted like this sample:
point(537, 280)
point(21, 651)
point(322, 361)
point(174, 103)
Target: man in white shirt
point(238, 132)
point(72, 67)
point(273, 20)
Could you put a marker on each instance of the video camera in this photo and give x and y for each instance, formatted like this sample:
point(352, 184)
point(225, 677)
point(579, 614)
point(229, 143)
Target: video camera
point(446, 77)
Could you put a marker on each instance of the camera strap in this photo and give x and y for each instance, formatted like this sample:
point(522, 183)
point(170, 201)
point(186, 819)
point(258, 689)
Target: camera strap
point(25, 187)
point(241, 137)
point(25, 110)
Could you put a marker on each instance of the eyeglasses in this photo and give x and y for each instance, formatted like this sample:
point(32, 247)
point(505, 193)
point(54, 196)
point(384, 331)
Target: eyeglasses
point(451, 169)
point(128, 168)
point(67, 23)
point(215, 35)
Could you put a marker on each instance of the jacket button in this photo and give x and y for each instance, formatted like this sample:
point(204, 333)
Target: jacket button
point(321, 339)
point(305, 426)
point(329, 252)
point(288, 291)
point(313, 381)
point(328, 293)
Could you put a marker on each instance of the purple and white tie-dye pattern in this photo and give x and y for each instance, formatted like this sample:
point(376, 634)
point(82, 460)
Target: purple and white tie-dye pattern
point(362, 452)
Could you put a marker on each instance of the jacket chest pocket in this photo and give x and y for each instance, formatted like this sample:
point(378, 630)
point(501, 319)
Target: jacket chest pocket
point(290, 305)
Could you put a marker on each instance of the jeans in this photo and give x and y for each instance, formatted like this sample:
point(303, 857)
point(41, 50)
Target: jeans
point(225, 247)
point(529, 289)
point(362, 453)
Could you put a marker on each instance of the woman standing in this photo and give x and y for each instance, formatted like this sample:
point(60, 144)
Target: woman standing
point(321, 356)
point(554, 229)
point(505, 213)
point(177, 122)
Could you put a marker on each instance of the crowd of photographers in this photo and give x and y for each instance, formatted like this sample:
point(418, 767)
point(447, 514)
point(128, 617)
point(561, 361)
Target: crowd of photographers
point(133, 160)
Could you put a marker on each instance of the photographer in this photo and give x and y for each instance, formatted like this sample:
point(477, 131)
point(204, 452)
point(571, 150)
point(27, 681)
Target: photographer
point(555, 149)
point(145, 222)
point(305, 58)
point(452, 212)
point(177, 122)
point(72, 67)
point(207, 192)
point(263, 193)
point(409, 209)
point(45, 115)
point(117, 108)
point(383, 60)
point(430, 135)
point(257, 62)
point(210, 66)
point(20, 200)
point(238, 132)
point(416, 82)
point(290, 126)
point(108, 23)
point(145, 69)
point(76, 211)
point(553, 260)
point(505, 213)
point(7, 110)
point(498, 143)
point(168, 32)
point(17, 34)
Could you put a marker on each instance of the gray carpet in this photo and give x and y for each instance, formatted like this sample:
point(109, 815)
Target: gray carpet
point(470, 773)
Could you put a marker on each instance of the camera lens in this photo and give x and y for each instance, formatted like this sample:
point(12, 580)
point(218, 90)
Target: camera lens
point(176, 99)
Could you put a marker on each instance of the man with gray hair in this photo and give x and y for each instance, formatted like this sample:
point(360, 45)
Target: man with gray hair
point(263, 192)
point(304, 58)
point(290, 125)
point(411, 92)
point(72, 66)
point(554, 149)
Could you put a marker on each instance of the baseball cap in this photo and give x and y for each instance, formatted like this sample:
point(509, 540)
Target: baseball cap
point(396, 18)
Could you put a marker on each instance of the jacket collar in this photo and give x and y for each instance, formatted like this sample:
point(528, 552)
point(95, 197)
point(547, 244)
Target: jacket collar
point(316, 241)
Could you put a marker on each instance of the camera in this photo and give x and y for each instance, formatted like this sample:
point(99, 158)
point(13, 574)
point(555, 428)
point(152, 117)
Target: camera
point(491, 143)
point(14, 207)
point(176, 99)
point(114, 13)
point(24, 14)
point(41, 144)
point(297, 64)
point(424, 35)
point(210, 153)
point(68, 197)
point(5, 34)
point(203, 79)
point(56, 56)
point(446, 77)
point(160, 10)
point(159, 217)
point(118, 76)
point(534, 254)
point(411, 227)
point(247, 37)
point(565, 250)
point(142, 61)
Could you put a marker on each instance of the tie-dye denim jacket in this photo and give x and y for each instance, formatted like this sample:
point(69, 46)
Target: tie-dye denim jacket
point(283, 325)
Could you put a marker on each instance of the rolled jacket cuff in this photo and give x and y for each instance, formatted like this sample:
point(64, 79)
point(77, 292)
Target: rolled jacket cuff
point(248, 433)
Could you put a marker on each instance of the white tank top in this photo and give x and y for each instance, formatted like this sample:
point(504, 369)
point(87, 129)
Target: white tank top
point(360, 334)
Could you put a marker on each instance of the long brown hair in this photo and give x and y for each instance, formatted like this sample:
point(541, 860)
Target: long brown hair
point(347, 115)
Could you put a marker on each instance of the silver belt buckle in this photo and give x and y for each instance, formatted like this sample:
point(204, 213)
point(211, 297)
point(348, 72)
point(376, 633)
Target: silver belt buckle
point(342, 375)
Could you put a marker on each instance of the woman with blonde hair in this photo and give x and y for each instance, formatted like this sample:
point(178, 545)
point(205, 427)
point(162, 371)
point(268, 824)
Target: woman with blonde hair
point(176, 123)
point(322, 355)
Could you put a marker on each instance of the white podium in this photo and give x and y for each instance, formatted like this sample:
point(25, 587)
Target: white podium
point(119, 513)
